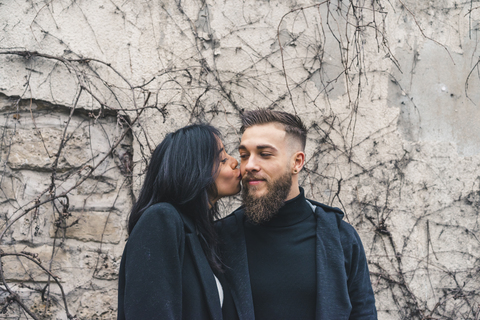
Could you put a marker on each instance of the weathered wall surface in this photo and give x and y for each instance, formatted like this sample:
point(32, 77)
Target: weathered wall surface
point(390, 92)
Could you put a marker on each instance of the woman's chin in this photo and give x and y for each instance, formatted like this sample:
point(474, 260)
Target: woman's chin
point(239, 188)
point(234, 191)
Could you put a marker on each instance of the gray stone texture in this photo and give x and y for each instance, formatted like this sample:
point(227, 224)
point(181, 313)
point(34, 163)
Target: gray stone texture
point(389, 91)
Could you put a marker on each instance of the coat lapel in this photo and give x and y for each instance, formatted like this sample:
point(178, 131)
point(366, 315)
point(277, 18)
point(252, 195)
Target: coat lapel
point(235, 259)
point(332, 292)
point(204, 271)
point(206, 276)
point(331, 275)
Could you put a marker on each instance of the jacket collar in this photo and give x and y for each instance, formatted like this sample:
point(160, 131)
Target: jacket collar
point(205, 273)
point(235, 258)
point(330, 267)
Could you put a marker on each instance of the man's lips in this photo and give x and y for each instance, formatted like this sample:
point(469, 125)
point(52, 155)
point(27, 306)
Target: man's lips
point(253, 181)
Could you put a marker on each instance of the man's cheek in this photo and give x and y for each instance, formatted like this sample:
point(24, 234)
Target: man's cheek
point(242, 170)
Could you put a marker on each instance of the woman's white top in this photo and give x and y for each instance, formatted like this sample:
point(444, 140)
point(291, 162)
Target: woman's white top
point(220, 290)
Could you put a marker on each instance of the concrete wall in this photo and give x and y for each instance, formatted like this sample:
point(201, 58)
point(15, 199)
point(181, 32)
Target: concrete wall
point(390, 92)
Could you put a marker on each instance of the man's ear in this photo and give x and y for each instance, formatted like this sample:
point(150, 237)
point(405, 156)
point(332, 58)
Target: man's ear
point(298, 159)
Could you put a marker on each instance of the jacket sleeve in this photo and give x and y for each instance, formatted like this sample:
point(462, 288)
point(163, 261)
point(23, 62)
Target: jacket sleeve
point(153, 265)
point(359, 286)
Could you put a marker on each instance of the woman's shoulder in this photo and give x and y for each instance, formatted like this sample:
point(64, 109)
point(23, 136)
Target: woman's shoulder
point(161, 207)
point(158, 233)
point(161, 215)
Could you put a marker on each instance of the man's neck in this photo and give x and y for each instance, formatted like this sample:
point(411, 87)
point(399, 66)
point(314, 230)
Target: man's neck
point(294, 191)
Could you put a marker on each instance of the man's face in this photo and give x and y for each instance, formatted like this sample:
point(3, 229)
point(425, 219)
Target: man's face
point(264, 158)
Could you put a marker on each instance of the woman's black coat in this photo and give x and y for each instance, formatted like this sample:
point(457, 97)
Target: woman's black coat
point(164, 273)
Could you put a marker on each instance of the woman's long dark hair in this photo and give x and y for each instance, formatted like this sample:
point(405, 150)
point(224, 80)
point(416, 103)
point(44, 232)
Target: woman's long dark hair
point(182, 172)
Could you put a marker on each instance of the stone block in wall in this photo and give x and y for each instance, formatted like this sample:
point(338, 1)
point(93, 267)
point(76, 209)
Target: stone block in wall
point(19, 186)
point(119, 200)
point(13, 311)
point(29, 228)
point(101, 186)
point(36, 149)
point(92, 226)
point(8, 185)
point(34, 130)
point(21, 269)
point(98, 305)
point(107, 267)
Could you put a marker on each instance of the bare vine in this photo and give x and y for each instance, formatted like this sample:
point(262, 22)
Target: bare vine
point(316, 64)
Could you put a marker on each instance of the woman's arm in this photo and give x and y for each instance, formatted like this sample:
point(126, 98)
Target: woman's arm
point(153, 265)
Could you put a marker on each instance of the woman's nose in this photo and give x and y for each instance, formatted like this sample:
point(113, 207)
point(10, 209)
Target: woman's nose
point(234, 163)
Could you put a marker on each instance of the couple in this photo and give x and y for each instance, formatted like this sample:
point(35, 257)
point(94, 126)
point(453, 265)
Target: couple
point(279, 256)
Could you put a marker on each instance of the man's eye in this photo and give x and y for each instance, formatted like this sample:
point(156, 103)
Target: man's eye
point(263, 154)
point(243, 156)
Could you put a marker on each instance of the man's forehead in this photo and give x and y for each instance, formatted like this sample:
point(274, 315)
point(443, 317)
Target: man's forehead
point(263, 135)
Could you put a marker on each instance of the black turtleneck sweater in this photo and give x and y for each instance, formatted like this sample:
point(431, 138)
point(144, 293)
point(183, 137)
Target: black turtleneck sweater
point(281, 262)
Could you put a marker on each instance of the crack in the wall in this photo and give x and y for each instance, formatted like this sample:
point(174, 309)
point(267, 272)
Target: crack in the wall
point(413, 199)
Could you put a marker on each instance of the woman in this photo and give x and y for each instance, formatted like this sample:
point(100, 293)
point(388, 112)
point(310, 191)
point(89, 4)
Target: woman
point(167, 268)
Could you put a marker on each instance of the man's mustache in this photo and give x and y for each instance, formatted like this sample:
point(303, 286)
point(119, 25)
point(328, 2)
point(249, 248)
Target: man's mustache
point(249, 177)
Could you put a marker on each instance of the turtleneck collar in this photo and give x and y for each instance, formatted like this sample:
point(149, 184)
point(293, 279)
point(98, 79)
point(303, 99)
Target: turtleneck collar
point(294, 211)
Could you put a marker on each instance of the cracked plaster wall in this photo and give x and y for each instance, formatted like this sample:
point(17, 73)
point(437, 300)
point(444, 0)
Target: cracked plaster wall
point(392, 109)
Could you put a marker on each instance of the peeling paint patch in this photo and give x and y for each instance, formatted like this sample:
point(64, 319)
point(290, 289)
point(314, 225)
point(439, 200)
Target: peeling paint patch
point(432, 100)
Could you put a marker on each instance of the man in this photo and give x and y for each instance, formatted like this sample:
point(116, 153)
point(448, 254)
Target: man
point(288, 257)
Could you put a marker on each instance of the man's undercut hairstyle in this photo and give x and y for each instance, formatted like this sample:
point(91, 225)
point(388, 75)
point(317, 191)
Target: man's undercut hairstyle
point(292, 124)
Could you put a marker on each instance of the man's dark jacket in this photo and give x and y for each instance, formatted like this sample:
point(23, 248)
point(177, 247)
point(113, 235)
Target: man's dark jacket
point(344, 290)
point(164, 273)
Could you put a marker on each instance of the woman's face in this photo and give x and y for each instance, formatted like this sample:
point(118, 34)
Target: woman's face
point(228, 178)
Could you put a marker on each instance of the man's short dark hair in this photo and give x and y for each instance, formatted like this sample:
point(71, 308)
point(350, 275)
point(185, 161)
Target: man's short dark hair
point(292, 124)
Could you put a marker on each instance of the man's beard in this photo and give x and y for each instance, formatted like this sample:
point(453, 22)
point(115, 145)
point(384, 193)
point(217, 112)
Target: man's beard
point(262, 209)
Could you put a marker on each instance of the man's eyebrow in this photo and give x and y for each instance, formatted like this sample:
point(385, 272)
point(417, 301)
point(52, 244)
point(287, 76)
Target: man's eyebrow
point(262, 146)
point(266, 146)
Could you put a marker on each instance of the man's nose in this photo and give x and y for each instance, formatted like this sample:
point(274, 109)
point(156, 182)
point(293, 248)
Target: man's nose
point(251, 164)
